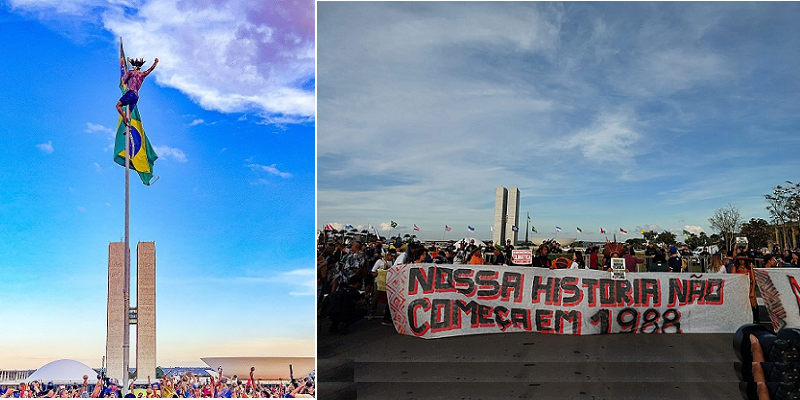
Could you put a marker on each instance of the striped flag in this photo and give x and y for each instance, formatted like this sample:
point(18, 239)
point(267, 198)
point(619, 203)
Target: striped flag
point(416, 228)
point(328, 227)
point(603, 231)
point(558, 229)
point(623, 231)
point(686, 233)
point(348, 227)
point(642, 231)
point(447, 228)
point(471, 229)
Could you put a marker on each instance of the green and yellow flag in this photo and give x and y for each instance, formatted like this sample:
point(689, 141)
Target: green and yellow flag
point(142, 154)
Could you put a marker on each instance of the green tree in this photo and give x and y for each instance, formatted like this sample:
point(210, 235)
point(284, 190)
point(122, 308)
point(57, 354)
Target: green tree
point(694, 241)
point(757, 232)
point(668, 238)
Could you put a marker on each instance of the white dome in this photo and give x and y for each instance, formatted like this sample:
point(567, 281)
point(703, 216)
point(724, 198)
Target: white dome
point(63, 371)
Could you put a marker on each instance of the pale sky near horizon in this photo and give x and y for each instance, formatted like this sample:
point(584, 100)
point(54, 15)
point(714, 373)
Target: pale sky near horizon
point(632, 115)
point(230, 112)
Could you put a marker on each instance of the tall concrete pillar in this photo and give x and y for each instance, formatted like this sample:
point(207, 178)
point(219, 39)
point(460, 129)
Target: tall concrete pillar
point(146, 308)
point(499, 226)
point(116, 312)
point(512, 216)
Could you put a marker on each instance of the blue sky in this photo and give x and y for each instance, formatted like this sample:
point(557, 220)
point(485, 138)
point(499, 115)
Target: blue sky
point(615, 115)
point(230, 112)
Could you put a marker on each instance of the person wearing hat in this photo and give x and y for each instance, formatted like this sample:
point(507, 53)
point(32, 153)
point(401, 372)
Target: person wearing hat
point(674, 261)
point(508, 249)
point(476, 258)
point(499, 257)
point(133, 82)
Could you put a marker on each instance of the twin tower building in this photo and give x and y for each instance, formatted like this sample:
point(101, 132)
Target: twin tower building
point(120, 315)
point(506, 215)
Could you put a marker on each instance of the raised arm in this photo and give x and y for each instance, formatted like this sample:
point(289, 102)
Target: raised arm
point(152, 67)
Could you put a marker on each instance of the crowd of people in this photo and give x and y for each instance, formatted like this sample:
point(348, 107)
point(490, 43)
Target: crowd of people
point(188, 385)
point(351, 278)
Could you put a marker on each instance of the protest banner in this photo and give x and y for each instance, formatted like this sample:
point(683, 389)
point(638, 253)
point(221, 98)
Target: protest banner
point(780, 289)
point(521, 257)
point(432, 301)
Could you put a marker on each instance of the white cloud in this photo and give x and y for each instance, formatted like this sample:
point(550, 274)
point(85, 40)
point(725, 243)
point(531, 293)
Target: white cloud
point(46, 148)
point(653, 227)
point(197, 121)
point(271, 169)
point(232, 56)
point(238, 56)
point(171, 153)
point(91, 128)
point(97, 166)
point(693, 229)
point(612, 138)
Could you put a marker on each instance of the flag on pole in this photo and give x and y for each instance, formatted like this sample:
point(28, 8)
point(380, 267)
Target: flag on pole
point(142, 154)
point(328, 227)
point(393, 224)
point(377, 235)
point(579, 229)
point(603, 231)
point(416, 228)
point(533, 228)
point(471, 229)
point(558, 229)
point(686, 233)
point(514, 228)
point(642, 231)
point(348, 227)
point(623, 231)
point(491, 228)
point(529, 218)
point(666, 231)
point(447, 228)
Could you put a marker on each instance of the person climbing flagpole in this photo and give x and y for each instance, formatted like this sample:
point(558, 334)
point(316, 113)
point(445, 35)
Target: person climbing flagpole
point(133, 151)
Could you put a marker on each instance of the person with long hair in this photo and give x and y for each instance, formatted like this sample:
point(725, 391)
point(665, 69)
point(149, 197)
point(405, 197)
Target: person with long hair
point(716, 265)
point(744, 265)
point(577, 260)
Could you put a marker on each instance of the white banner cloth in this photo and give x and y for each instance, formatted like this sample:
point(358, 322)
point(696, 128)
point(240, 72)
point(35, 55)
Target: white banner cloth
point(432, 301)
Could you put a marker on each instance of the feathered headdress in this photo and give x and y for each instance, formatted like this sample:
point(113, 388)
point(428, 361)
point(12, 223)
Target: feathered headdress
point(136, 62)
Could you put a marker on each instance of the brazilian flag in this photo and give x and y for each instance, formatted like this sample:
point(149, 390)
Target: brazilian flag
point(142, 154)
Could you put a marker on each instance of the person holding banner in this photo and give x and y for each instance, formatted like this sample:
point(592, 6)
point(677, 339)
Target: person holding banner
point(577, 260)
point(379, 272)
point(744, 265)
point(476, 259)
point(716, 265)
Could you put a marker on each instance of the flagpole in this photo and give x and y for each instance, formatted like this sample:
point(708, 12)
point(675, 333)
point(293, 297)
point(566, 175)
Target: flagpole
point(126, 343)
point(526, 228)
